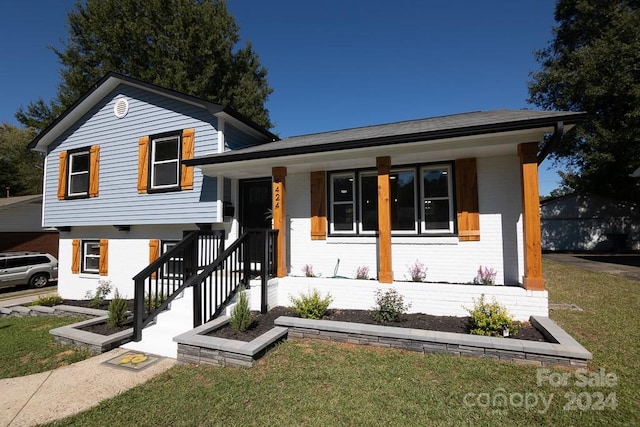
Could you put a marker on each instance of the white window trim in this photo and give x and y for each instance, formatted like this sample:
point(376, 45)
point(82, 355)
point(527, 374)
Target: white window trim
point(166, 246)
point(423, 224)
point(162, 162)
point(72, 174)
point(86, 255)
point(352, 176)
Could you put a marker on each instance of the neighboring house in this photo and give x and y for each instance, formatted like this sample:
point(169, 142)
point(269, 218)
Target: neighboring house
point(132, 166)
point(588, 222)
point(21, 226)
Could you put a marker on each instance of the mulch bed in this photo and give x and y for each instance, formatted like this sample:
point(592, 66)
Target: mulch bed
point(262, 323)
point(100, 328)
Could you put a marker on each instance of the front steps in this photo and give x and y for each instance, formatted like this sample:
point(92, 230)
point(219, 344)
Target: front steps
point(157, 338)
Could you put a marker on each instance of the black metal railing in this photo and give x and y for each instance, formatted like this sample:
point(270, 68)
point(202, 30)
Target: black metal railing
point(201, 261)
point(253, 255)
point(161, 281)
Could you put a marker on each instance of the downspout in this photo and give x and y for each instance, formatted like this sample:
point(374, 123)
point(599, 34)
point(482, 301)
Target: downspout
point(551, 142)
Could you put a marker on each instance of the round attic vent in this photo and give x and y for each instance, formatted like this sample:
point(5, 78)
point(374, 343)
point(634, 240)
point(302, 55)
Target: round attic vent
point(121, 107)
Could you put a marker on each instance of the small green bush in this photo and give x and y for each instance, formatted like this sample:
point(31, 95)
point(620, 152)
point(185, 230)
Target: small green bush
point(311, 306)
point(491, 319)
point(117, 310)
point(241, 316)
point(102, 291)
point(47, 300)
point(389, 306)
point(153, 303)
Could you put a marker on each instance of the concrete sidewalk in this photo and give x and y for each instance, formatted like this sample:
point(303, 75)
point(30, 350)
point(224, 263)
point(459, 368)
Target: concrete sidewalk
point(53, 395)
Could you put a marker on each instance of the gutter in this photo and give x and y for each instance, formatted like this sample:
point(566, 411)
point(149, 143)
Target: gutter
point(551, 142)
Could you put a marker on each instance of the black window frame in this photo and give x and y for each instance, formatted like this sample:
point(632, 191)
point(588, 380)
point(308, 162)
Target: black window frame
point(71, 154)
point(151, 188)
point(419, 230)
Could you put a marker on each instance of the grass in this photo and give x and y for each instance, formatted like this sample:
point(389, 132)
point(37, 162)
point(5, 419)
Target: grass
point(28, 348)
point(317, 383)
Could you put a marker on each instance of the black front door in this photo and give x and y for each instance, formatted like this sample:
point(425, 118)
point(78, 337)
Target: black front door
point(255, 210)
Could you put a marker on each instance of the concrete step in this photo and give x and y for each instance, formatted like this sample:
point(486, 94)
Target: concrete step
point(157, 338)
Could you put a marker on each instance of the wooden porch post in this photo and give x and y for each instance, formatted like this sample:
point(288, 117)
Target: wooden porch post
point(385, 275)
point(533, 279)
point(279, 216)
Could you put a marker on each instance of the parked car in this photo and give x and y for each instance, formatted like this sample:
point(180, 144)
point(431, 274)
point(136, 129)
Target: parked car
point(27, 268)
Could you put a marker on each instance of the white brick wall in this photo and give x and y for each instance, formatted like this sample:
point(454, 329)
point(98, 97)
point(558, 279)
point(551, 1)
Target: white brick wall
point(447, 259)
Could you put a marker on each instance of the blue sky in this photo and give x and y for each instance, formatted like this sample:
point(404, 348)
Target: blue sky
point(337, 64)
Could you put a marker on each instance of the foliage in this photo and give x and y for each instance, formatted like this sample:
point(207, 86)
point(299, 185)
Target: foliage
point(592, 66)
point(101, 293)
point(417, 272)
point(20, 169)
point(485, 276)
point(311, 305)
point(47, 300)
point(155, 302)
point(308, 270)
point(389, 306)
point(362, 273)
point(117, 310)
point(241, 316)
point(491, 319)
point(184, 45)
point(28, 348)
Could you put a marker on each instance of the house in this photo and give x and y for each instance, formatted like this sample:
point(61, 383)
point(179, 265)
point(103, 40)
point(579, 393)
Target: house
point(589, 222)
point(21, 226)
point(135, 171)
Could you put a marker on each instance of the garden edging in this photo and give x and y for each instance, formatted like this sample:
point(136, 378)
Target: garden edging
point(563, 351)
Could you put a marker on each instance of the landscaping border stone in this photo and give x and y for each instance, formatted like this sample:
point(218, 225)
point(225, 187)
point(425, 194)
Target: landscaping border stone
point(197, 347)
point(96, 343)
point(563, 350)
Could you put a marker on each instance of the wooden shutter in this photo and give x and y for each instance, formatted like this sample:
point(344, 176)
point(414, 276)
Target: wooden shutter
point(94, 170)
point(467, 200)
point(318, 205)
point(186, 176)
point(154, 253)
point(75, 256)
point(143, 164)
point(62, 176)
point(103, 268)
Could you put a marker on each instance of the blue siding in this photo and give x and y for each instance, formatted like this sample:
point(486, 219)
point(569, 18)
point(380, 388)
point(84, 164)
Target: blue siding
point(118, 201)
point(235, 139)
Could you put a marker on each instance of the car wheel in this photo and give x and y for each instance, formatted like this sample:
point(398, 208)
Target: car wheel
point(39, 280)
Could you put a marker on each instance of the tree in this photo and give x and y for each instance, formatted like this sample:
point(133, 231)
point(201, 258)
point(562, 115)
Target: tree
point(20, 169)
point(593, 65)
point(184, 45)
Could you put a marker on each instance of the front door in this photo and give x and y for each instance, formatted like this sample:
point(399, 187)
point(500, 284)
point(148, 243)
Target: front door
point(255, 209)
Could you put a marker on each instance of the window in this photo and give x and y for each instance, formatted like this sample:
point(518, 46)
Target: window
point(165, 162)
point(343, 203)
point(90, 256)
point(437, 212)
point(173, 267)
point(433, 191)
point(78, 173)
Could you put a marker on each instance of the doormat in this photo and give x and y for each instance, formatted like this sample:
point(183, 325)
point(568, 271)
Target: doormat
point(133, 360)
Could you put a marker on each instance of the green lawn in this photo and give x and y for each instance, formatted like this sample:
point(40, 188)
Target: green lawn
point(28, 348)
point(318, 383)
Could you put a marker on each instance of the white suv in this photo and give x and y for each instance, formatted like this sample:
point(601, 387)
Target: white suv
point(32, 268)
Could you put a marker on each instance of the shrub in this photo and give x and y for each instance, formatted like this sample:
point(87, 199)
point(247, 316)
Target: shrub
point(312, 305)
point(117, 310)
point(362, 273)
point(485, 276)
point(417, 272)
point(102, 291)
point(308, 270)
point(155, 302)
point(241, 316)
point(389, 306)
point(491, 319)
point(47, 300)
